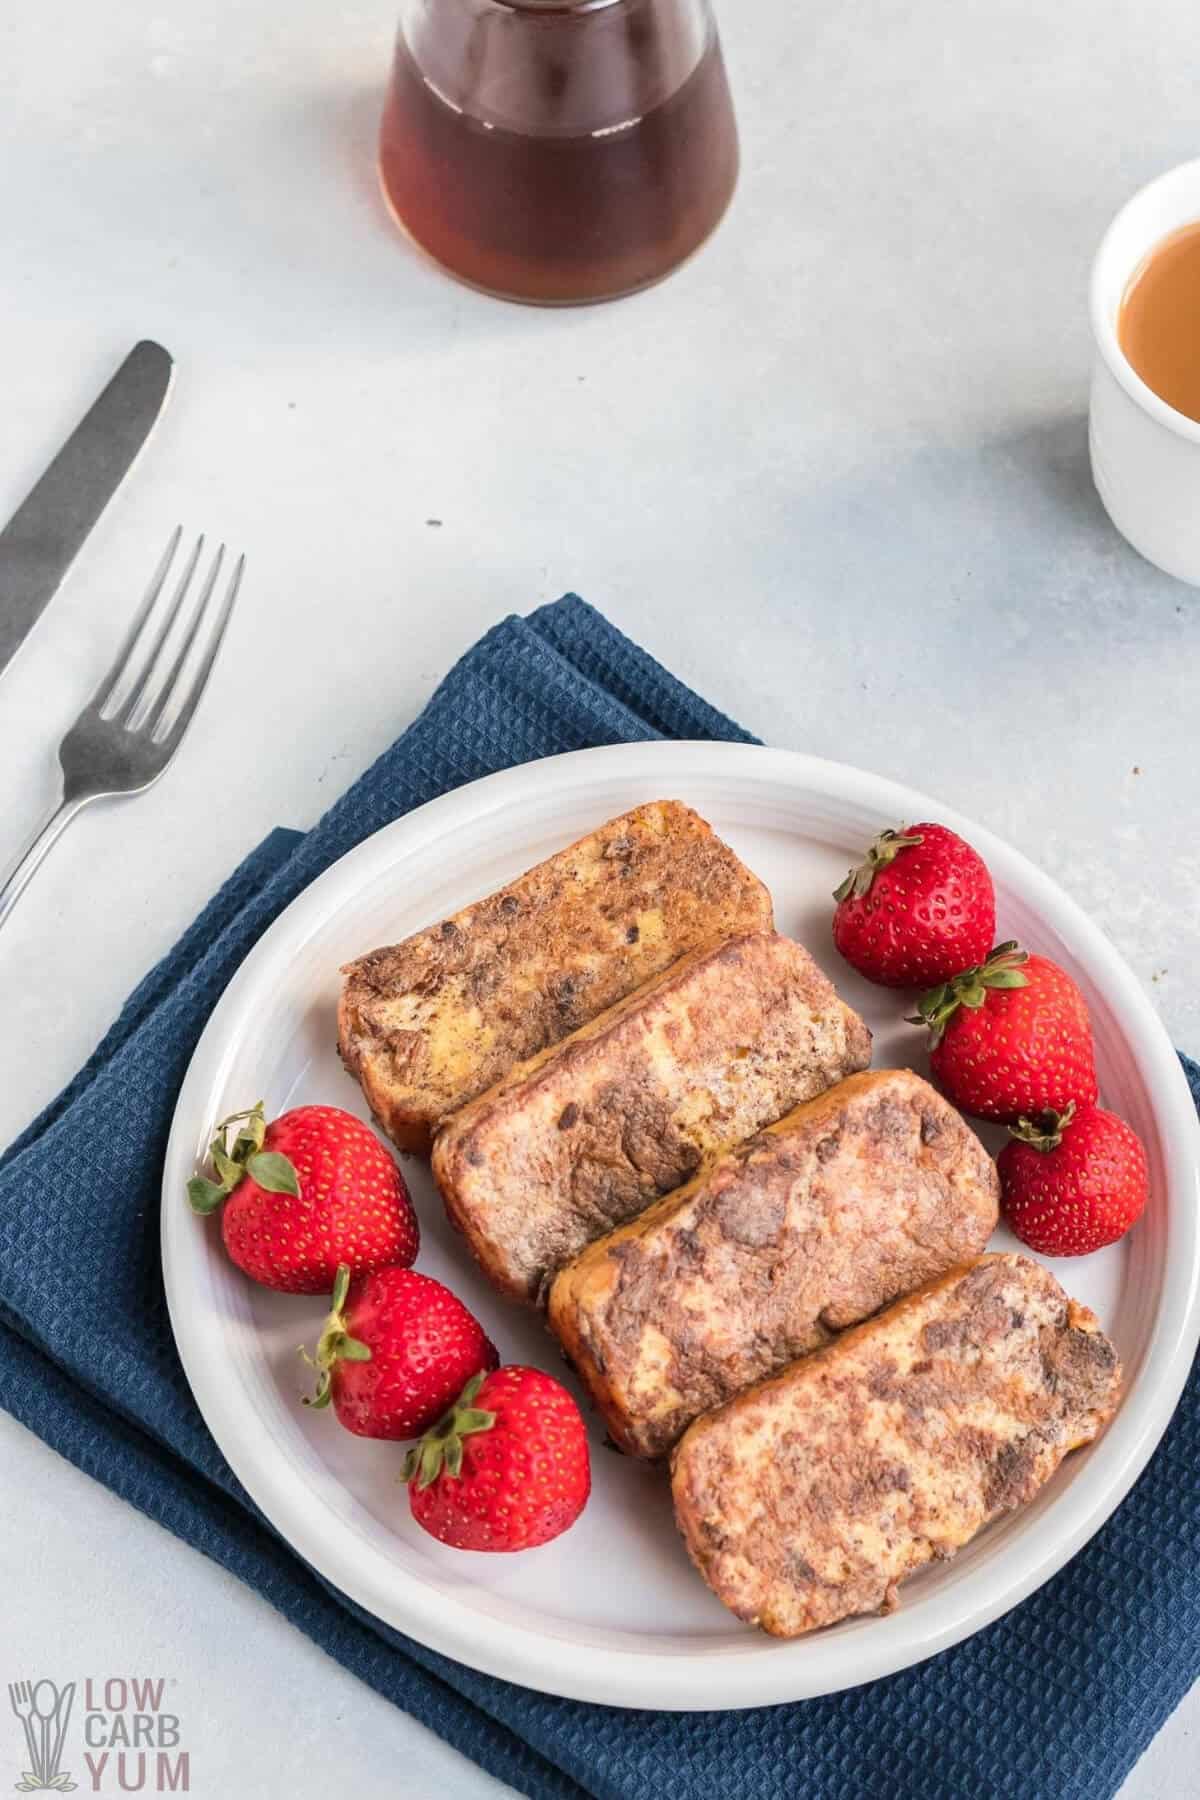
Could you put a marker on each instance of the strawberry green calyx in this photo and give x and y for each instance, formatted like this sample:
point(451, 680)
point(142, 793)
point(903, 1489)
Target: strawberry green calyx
point(1001, 970)
point(335, 1343)
point(1045, 1130)
point(441, 1447)
point(245, 1157)
point(885, 849)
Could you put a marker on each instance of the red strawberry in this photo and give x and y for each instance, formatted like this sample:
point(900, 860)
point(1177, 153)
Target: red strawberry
point(395, 1352)
point(919, 909)
point(302, 1195)
point(1072, 1182)
point(1010, 1037)
point(506, 1468)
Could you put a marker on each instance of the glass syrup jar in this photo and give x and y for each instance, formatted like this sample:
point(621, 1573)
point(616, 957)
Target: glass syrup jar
point(558, 151)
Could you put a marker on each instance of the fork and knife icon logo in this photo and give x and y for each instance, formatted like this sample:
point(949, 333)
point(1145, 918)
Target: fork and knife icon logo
point(44, 1711)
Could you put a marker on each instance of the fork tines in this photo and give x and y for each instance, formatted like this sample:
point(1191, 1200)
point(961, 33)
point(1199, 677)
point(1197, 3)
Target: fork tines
point(136, 692)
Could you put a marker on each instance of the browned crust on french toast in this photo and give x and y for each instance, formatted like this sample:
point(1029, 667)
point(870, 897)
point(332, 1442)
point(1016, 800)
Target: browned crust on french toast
point(812, 1496)
point(851, 1200)
point(589, 1133)
point(427, 1024)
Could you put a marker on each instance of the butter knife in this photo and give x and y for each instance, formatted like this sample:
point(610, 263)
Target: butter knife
point(48, 529)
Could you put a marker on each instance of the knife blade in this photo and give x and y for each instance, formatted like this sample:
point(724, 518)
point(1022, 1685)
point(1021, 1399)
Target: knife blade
point(48, 529)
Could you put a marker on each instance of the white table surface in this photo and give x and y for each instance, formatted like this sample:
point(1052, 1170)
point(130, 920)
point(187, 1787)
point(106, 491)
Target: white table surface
point(834, 473)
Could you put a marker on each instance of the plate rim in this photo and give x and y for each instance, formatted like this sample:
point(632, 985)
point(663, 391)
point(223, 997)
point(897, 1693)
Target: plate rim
point(731, 1677)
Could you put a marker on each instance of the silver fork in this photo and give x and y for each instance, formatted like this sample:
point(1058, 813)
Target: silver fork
point(127, 733)
point(20, 1698)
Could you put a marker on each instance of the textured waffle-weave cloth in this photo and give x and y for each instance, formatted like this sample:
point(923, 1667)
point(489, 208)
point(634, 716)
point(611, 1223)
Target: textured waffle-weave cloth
point(1057, 1699)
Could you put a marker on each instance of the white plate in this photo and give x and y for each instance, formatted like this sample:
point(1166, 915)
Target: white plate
point(613, 1610)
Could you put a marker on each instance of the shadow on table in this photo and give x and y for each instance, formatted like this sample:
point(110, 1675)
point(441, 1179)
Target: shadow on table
point(1056, 451)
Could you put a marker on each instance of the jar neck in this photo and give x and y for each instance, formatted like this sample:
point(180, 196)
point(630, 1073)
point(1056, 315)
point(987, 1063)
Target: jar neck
point(565, 68)
point(558, 6)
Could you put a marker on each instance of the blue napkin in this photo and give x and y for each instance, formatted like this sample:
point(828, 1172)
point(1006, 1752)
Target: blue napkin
point(1057, 1699)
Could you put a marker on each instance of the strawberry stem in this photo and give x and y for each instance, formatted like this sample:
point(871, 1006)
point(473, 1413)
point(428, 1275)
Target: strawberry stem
point(1045, 1130)
point(441, 1448)
point(335, 1343)
point(886, 847)
point(272, 1171)
point(1003, 969)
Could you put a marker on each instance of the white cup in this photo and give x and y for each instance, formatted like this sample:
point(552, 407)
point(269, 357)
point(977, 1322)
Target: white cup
point(1145, 455)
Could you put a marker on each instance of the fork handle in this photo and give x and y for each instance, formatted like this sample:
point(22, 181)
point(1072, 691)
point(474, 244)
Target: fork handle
point(35, 852)
point(31, 1743)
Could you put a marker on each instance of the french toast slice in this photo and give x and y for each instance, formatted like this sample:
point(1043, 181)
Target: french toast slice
point(810, 1497)
point(848, 1202)
point(586, 1135)
point(427, 1024)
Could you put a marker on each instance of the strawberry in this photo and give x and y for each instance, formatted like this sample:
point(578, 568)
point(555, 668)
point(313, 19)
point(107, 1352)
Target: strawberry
point(918, 910)
point(396, 1350)
point(506, 1468)
point(1010, 1037)
point(1072, 1181)
point(310, 1191)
